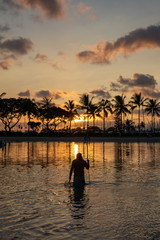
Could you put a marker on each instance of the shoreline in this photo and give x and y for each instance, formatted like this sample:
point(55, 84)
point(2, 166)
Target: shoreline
point(79, 139)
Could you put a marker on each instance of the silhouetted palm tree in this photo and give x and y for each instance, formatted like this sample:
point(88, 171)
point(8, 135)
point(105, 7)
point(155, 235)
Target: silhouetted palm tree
point(138, 101)
point(2, 94)
point(85, 104)
point(46, 103)
point(132, 107)
point(28, 107)
point(152, 108)
point(46, 111)
point(72, 111)
point(94, 111)
point(120, 107)
point(105, 106)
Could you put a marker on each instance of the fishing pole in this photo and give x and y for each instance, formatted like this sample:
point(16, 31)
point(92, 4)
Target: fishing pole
point(88, 163)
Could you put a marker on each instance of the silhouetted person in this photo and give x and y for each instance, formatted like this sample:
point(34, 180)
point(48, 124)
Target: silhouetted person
point(78, 166)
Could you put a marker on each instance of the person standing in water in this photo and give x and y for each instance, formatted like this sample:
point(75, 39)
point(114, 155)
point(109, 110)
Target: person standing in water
point(78, 166)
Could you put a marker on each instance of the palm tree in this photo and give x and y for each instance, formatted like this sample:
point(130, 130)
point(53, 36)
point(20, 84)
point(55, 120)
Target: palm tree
point(28, 107)
point(85, 104)
point(46, 103)
point(46, 108)
point(152, 107)
point(94, 111)
point(137, 100)
point(2, 94)
point(72, 111)
point(105, 106)
point(120, 107)
point(132, 107)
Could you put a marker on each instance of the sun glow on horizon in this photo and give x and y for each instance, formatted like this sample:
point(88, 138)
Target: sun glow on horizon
point(77, 120)
point(80, 119)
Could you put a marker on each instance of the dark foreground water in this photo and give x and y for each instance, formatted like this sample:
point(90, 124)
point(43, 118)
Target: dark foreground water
point(120, 201)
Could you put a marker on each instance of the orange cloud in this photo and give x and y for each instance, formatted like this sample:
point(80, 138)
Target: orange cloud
point(82, 8)
point(5, 65)
point(62, 54)
point(139, 39)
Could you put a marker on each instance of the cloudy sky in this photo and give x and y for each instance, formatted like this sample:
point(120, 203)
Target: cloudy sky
point(64, 48)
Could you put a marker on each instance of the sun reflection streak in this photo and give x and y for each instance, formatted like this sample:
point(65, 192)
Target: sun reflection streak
point(75, 149)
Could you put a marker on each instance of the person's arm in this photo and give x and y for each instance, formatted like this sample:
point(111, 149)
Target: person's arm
point(70, 174)
point(87, 164)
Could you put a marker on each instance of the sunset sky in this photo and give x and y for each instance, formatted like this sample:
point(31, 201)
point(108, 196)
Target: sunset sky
point(64, 48)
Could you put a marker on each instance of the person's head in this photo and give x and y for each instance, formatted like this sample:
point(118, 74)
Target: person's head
point(79, 156)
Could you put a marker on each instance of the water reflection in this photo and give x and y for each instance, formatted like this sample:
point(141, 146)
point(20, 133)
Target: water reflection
point(78, 202)
point(35, 203)
point(119, 157)
point(46, 153)
point(76, 149)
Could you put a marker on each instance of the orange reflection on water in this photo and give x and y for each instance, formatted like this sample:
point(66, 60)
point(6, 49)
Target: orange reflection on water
point(62, 153)
point(75, 149)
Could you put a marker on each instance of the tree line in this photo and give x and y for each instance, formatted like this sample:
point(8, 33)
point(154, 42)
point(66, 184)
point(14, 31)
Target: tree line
point(49, 115)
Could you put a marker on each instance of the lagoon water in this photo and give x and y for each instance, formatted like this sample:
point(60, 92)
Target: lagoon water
point(121, 199)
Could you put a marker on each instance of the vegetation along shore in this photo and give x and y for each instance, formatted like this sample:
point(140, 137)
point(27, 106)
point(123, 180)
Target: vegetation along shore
point(44, 118)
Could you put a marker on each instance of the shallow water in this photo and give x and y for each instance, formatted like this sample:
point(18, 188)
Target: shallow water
point(121, 199)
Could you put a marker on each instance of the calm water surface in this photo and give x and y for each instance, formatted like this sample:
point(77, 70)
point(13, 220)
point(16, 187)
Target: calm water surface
point(121, 199)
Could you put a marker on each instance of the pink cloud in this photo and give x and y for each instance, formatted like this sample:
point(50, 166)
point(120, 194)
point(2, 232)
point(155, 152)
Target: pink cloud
point(43, 58)
point(50, 9)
